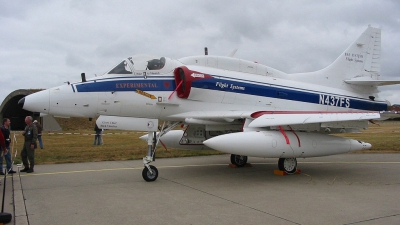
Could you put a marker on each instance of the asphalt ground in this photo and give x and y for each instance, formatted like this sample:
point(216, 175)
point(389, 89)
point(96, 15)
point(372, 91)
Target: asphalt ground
point(343, 189)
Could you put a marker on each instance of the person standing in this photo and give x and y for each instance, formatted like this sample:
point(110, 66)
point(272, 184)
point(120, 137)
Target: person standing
point(28, 151)
point(39, 133)
point(2, 146)
point(5, 129)
point(97, 136)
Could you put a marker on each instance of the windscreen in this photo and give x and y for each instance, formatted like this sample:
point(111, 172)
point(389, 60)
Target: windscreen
point(140, 63)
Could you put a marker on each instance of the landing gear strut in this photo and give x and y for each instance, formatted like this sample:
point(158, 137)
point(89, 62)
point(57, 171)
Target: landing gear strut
point(289, 165)
point(238, 160)
point(150, 172)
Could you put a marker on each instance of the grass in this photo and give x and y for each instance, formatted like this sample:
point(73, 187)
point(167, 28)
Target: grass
point(384, 137)
point(71, 148)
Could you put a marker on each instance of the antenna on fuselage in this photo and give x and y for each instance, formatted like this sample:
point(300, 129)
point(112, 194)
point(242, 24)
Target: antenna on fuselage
point(206, 51)
point(83, 77)
point(233, 53)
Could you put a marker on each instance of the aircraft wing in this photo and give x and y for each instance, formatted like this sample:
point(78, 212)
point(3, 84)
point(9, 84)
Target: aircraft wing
point(279, 118)
point(294, 118)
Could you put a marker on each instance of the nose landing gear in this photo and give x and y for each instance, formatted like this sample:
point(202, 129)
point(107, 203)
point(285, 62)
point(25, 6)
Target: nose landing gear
point(150, 172)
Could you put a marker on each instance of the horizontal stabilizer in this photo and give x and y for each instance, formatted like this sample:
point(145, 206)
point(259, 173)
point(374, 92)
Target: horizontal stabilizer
point(372, 82)
point(307, 118)
point(389, 115)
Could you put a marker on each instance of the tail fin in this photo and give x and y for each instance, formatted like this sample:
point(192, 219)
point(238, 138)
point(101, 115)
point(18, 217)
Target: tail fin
point(357, 69)
point(360, 59)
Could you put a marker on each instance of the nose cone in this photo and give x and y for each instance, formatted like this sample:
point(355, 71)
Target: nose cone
point(367, 145)
point(360, 145)
point(232, 143)
point(21, 102)
point(36, 102)
point(144, 137)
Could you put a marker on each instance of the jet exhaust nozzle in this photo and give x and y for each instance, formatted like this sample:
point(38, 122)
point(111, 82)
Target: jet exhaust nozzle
point(21, 102)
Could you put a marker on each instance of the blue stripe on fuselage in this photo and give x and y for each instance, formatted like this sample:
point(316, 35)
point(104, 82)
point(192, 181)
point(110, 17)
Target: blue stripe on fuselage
point(127, 85)
point(164, 83)
point(266, 90)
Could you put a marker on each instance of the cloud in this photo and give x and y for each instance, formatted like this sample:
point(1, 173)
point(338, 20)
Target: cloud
point(46, 43)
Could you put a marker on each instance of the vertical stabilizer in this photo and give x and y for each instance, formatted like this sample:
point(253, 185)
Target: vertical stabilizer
point(360, 59)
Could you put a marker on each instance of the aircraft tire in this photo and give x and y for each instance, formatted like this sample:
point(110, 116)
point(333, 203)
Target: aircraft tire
point(238, 160)
point(147, 176)
point(289, 165)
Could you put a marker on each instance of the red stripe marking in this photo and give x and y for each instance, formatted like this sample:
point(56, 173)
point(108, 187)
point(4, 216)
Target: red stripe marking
point(284, 134)
point(373, 123)
point(163, 145)
point(298, 139)
point(175, 90)
point(260, 113)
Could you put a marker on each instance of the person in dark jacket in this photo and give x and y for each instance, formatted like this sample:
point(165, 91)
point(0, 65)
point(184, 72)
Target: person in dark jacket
point(5, 129)
point(97, 136)
point(2, 143)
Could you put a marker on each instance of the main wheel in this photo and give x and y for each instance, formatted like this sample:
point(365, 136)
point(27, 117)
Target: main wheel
point(238, 160)
point(147, 176)
point(289, 165)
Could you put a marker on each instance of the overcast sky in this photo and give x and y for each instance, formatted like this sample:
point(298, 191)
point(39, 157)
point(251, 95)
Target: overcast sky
point(45, 43)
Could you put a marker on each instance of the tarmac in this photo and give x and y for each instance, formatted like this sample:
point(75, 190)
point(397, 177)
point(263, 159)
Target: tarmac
point(343, 189)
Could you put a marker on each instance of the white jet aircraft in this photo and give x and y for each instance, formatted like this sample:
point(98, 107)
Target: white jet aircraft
point(231, 105)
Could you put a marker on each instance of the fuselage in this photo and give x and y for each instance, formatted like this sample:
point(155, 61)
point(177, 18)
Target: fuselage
point(150, 93)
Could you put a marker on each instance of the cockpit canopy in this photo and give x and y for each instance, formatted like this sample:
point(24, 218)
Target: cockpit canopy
point(139, 64)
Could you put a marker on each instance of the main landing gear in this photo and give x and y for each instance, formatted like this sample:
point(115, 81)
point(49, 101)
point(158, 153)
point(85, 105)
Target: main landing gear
point(150, 172)
point(289, 165)
point(238, 160)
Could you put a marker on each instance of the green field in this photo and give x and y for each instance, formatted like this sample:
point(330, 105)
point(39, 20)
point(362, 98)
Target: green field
point(384, 137)
point(70, 148)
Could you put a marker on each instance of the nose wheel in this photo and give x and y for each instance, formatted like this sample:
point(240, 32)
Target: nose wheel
point(150, 173)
